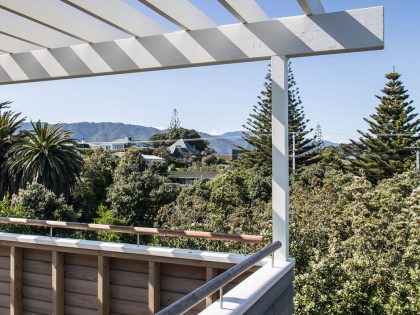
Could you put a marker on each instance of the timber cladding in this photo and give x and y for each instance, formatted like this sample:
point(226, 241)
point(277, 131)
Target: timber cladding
point(4, 280)
point(36, 281)
point(41, 279)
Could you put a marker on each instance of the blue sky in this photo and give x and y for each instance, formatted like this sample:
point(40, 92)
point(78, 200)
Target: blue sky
point(337, 90)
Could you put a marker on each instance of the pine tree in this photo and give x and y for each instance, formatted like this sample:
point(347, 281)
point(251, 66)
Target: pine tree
point(175, 123)
point(297, 125)
point(258, 133)
point(176, 132)
point(318, 139)
point(389, 145)
point(258, 128)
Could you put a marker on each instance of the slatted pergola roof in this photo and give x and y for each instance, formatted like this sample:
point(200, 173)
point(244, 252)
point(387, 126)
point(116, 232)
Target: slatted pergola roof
point(52, 39)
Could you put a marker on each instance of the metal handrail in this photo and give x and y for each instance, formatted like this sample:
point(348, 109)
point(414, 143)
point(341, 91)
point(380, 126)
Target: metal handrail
point(133, 230)
point(184, 304)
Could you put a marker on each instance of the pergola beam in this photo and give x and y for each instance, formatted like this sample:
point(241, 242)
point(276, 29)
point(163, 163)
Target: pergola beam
point(182, 13)
point(347, 31)
point(120, 15)
point(311, 7)
point(246, 11)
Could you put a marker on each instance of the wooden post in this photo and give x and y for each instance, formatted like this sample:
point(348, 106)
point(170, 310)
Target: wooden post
point(210, 274)
point(15, 280)
point(280, 157)
point(103, 286)
point(57, 283)
point(154, 287)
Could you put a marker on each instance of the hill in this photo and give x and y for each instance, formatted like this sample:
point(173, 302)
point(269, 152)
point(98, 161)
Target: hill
point(105, 131)
point(109, 131)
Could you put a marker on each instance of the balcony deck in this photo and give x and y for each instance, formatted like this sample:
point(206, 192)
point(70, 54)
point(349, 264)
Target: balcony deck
point(73, 276)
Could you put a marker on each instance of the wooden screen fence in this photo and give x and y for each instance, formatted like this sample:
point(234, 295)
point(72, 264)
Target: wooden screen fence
point(43, 279)
point(37, 278)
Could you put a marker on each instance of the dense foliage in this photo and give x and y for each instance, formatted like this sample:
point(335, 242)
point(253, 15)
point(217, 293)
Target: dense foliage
point(234, 202)
point(95, 178)
point(393, 135)
point(356, 245)
point(138, 191)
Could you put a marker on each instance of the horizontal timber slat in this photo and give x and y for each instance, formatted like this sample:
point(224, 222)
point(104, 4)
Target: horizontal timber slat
point(130, 279)
point(134, 230)
point(35, 306)
point(81, 273)
point(74, 310)
point(36, 280)
point(81, 300)
point(80, 286)
point(4, 251)
point(129, 265)
point(38, 267)
point(5, 275)
point(179, 285)
point(131, 294)
point(128, 308)
point(4, 300)
point(39, 255)
point(198, 273)
point(35, 293)
point(5, 263)
point(4, 288)
point(81, 260)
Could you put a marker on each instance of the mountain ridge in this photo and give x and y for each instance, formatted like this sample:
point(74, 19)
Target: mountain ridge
point(110, 131)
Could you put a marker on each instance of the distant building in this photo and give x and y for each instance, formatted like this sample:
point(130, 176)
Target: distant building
point(119, 144)
point(147, 157)
point(183, 150)
point(153, 158)
point(123, 143)
point(187, 178)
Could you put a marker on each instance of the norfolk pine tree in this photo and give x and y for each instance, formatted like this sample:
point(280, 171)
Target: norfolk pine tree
point(389, 145)
point(258, 128)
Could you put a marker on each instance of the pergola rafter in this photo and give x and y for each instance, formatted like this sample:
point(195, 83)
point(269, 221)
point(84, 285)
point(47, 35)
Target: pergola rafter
point(246, 11)
point(182, 13)
point(120, 15)
point(311, 7)
point(59, 16)
point(12, 44)
point(20, 27)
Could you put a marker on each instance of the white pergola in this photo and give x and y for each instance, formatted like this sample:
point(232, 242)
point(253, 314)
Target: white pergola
point(58, 39)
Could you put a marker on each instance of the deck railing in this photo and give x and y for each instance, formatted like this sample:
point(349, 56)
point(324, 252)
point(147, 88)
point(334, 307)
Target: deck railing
point(187, 302)
point(133, 230)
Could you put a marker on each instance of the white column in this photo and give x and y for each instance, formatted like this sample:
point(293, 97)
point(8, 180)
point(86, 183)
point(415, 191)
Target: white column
point(280, 155)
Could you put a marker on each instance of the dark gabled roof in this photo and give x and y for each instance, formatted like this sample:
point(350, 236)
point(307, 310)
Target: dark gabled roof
point(183, 147)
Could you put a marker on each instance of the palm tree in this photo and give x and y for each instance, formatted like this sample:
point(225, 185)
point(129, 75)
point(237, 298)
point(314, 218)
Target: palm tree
point(46, 155)
point(10, 122)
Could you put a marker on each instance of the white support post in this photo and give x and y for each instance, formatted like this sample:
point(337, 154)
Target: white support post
point(280, 156)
